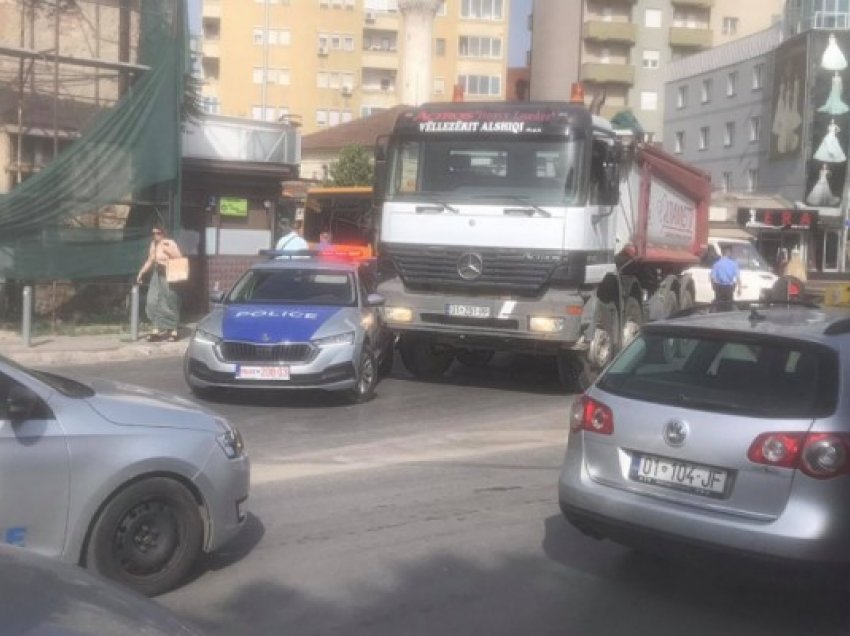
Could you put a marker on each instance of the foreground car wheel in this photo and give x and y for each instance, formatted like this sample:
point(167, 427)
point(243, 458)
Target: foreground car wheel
point(367, 378)
point(148, 536)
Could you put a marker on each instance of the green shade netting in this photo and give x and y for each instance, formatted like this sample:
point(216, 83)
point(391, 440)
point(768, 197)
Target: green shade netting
point(129, 156)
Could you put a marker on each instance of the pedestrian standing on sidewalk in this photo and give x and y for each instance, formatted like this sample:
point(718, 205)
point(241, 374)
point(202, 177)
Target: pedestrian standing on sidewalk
point(726, 279)
point(163, 303)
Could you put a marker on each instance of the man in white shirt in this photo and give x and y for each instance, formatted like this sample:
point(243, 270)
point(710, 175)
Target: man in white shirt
point(290, 241)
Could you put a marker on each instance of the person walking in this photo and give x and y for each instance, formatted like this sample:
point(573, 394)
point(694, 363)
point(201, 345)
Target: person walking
point(725, 279)
point(163, 304)
point(290, 240)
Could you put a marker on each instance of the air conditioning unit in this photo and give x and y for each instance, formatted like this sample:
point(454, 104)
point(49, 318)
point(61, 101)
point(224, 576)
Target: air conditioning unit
point(323, 51)
point(370, 17)
point(346, 91)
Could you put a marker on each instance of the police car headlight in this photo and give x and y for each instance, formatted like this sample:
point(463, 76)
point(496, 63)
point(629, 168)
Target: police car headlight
point(339, 339)
point(205, 337)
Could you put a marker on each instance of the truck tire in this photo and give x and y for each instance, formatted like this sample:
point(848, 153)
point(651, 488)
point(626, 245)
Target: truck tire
point(423, 359)
point(603, 345)
point(476, 358)
point(632, 320)
point(574, 373)
point(687, 299)
point(671, 303)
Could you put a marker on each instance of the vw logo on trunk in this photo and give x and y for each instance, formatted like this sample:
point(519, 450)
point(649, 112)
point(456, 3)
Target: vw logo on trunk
point(675, 432)
point(470, 266)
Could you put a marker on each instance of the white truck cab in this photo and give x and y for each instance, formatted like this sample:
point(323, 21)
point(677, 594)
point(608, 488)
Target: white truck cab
point(757, 277)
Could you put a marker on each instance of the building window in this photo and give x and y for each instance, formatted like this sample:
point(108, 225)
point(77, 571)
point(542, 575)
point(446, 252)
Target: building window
point(258, 36)
point(648, 100)
point(322, 117)
point(652, 18)
point(682, 97)
point(440, 47)
point(651, 59)
point(679, 144)
point(755, 128)
point(348, 43)
point(439, 85)
point(752, 179)
point(727, 181)
point(707, 85)
point(730, 26)
point(758, 71)
point(322, 80)
point(366, 111)
point(257, 75)
point(481, 9)
point(731, 83)
point(489, 85)
point(333, 118)
point(703, 138)
point(729, 134)
point(442, 11)
point(474, 46)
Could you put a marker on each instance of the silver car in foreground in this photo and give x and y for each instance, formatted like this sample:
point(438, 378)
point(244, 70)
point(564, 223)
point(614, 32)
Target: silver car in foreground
point(132, 483)
point(726, 430)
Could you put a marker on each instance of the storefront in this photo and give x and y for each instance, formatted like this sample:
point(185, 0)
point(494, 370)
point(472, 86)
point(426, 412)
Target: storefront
point(778, 232)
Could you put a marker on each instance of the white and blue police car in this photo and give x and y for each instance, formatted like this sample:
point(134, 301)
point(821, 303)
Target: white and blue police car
point(303, 320)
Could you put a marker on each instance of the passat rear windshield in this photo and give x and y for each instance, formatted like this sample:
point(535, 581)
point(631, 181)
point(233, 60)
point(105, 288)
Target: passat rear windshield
point(753, 376)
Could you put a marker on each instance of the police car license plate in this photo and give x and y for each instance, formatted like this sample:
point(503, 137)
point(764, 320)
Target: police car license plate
point(262, 373)
point(468, 311)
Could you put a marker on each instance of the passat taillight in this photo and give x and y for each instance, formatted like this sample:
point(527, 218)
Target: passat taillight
point(818, 455)
point(589, 415)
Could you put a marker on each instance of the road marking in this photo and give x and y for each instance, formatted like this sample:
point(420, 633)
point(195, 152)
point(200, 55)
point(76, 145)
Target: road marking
point(405, 450)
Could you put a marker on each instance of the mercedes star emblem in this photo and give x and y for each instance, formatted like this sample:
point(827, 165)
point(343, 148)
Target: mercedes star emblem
point(675, 432)
point(470, 266)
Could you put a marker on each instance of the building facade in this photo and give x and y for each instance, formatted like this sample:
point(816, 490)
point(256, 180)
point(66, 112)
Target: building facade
point(326, 62)
point(622, 47)
point(766, 117)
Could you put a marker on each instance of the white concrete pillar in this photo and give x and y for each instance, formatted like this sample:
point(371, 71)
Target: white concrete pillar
point(416, 82)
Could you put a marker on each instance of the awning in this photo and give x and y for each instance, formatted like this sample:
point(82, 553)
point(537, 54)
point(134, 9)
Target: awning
point(777, 218)
point(730, 233)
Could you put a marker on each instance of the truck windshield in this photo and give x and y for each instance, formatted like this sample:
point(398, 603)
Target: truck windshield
point(536, 172)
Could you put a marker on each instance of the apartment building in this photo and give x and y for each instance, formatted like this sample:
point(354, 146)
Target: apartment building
point(622, 47)
point(325, 62)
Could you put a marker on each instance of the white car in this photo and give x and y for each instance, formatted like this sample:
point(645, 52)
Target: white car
point(756, 275)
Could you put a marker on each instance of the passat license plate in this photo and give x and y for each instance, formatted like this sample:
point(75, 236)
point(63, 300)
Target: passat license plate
point(262, 373)
point(468, 311)
point(672, 473)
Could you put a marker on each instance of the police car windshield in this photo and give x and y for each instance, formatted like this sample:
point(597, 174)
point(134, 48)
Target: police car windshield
point(295, 287)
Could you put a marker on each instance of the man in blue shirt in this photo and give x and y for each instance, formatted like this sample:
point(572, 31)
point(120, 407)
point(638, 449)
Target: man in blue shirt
point(725, 278)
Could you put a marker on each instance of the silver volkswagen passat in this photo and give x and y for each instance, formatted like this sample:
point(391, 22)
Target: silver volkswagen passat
point(729, 431)
point(132, 483)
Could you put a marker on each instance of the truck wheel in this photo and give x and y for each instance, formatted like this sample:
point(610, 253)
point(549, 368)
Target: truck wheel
point(424, 360)
point(604, 343)
point(687, 299)
point(148, 536)
point(671, 303)
point(632, 320)
point(574, 373)
point(478, 358)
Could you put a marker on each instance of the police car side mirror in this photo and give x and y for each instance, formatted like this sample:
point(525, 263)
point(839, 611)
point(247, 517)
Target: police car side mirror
point(375, 300)
point(216, 297)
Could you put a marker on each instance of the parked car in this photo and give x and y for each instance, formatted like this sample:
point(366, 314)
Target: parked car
point(133, 483)
point(726, 430)
point(308, 321)
point(757, 278)
point(44, 596)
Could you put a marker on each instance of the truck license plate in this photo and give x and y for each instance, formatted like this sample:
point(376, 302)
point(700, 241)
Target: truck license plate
point(693, 478)
point(468, 311)
point(262, 373)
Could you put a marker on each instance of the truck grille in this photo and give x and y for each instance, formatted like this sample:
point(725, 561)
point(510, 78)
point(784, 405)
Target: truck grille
point(249, 352)
point(515, 271)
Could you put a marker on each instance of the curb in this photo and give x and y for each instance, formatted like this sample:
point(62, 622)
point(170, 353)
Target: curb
point(125, 353)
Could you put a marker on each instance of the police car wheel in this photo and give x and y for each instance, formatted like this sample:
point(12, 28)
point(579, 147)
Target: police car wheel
point(367, 378)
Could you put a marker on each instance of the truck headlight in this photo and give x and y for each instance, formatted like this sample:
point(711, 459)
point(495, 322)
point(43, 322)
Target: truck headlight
point(231, 443)
point(546, 324)
point(398, 314)
point(205, 337)
point(339, 339)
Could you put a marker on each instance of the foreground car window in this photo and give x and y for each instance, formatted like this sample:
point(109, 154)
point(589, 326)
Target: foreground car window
point(769, 377)
point(65, 386)
point(295, 286)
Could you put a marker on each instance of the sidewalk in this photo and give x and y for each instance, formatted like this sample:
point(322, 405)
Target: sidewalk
point(71, 350)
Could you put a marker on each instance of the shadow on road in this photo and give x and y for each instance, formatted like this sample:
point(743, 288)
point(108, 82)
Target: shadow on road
point(233, 552)
point(581, 589)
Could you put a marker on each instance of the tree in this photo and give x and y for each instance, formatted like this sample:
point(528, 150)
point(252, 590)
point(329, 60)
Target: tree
point(353, 167)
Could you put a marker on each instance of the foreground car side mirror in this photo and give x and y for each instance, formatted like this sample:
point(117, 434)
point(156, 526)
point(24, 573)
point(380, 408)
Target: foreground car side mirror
point(21, 403)
point(375, 300)
point(216, 297)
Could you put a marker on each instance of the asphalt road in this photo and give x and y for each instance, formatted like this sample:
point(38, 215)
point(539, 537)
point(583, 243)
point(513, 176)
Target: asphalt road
point(433, 510)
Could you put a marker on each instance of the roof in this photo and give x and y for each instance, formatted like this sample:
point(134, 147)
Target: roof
point(798, 322)
point(364, 132)
point(303, 262)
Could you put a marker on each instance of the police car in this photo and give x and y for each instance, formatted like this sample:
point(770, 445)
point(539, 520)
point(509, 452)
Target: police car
point(302, 320)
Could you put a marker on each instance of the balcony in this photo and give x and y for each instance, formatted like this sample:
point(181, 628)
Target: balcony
point(695, 4)
point(609, 31)
point(691, 38)
point(387, 60)
point(381, 20)
point(211, 48)
point(212, 9)
point(600, 73)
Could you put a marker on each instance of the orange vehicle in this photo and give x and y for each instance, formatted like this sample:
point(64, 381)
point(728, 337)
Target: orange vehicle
point(341, 216)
